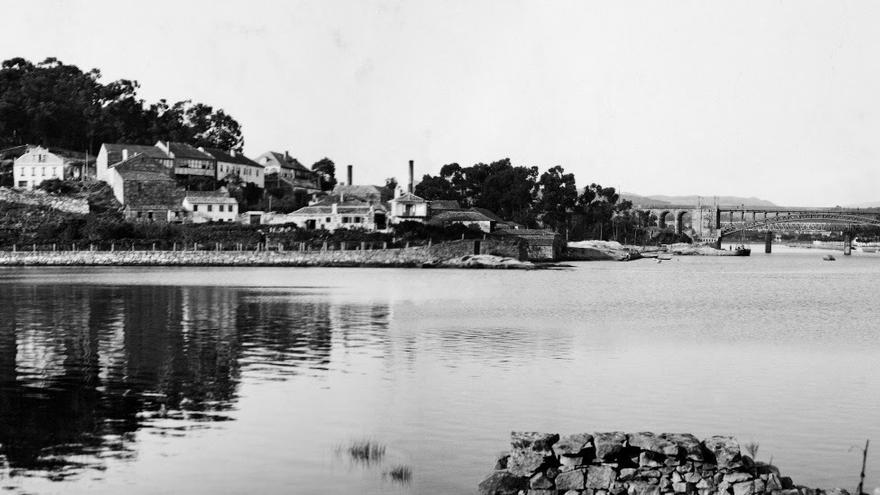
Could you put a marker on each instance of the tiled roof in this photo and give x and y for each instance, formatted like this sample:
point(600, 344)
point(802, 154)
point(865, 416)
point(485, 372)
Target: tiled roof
point(226, 157)
point(212, 199)
point(489, 213)
point(371, 194)
point(444, 204)
point(114, 151)
point(279, 159)
point(183, 150)
point(144, 175)
point(409, 197)
point(141, 163)
point(459, 216)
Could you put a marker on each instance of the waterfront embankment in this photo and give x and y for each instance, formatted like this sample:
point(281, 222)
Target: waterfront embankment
point(457, 254)
point(617, 463)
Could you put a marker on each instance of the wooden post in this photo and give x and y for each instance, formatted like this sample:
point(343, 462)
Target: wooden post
point(864, 460)
point(363, 246)
point(847, 244)
point(53, 247)
point(324, 246)
point(407, 244)
point(768, 242)
point(384, 244)
point(34, 248)
point(342, 246)
point(154, 246)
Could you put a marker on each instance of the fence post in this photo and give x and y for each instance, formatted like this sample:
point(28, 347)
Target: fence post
point(384, 244)
point(324, 246)
point(13, 248)
point(342, 246)
point(363, 246)
point(154, 246)
point(34, 248)
point(407, 244)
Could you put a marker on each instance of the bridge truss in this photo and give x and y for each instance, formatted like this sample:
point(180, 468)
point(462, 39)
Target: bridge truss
point(800, 221)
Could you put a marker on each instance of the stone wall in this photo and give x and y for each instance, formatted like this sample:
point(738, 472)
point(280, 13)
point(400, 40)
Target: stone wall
point(616, 463)
point(446, 254)
point(42, 198)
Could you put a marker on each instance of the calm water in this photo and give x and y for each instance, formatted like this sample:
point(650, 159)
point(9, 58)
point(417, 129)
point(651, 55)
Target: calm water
point(131, 380)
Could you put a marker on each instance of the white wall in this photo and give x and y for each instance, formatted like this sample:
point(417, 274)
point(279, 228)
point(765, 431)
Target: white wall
point(35, 166)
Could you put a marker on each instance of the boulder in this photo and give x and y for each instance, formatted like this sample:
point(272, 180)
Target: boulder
point(502, 483)
point(726, 451)
point(736, 477)
point(652, 443)
point(743, 488)
point(627, 474)
point(599, 477)
point(686, 442)
point(529, 450)
point(571, 480)
point(573, 444)
point(501, 461)
point(540, 482)
point(649, 459)
point(534, 491)
point(571, 460)
point(608, 445)
point(643, 488)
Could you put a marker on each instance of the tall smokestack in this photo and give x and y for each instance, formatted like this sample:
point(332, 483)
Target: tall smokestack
point(350, 183)
point(410, 185)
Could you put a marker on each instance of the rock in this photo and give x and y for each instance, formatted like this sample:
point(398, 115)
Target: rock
point(650, 459)
point(540, 482)
point(643, 488)
point(653, 443)
point(599, 477)
point(529, 450)
point(541, 492)
point(571, 460)
point(677, 477)
point(840, 491)
point(680, 487)
point(525, 462)
point(571, 480)
point(736, 477)
point(501, 461)
point(787, 483)
point(502, 483)
point(665, 484)
point(726, 451)
point(773, 482)
point(573, 444)
point(572, 492)
point(617, 488)
point(693, 478)
point(627, 474)
point(706, 484)
point(692, 447)
point(743, 488)
point(608, 445)
point(759, 486)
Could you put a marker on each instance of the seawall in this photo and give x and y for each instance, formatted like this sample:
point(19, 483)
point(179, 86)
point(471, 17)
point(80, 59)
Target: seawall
point(617, 463)
point(450, 254)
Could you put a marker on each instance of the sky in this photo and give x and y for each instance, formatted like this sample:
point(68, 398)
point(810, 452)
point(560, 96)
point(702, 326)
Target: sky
point(776, 99)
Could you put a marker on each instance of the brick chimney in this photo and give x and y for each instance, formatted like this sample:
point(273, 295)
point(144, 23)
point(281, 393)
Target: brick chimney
point(286, 156)
point(411, 179)
point(350, 183)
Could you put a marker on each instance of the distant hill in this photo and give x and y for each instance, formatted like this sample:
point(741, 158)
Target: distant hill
point(660, 199)
point(868, 204)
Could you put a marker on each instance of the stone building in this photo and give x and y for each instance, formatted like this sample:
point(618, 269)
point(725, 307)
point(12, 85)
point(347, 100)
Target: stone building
point(37, 164)
point(347, 207)
point(146, 191)
point(210, 206)
point(468, 218)
point(179, 160)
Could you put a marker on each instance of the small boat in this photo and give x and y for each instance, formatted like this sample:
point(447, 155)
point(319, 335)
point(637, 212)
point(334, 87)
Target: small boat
point(741, 250)
point(828, 257)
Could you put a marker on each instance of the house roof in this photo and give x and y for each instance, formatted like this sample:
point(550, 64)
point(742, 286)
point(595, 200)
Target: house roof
point(114, 151)
point(459, 216)
point(370, 194)
point(13, 152)
point(144, 175)
point(183, 150)
point(408, 197)
point(228, 157)
point(489, 213)
point(209, 199)
point(283, 161)
point(444, 204)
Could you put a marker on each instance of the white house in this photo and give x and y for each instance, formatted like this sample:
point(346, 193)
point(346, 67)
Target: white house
point(408, 207)
point(233, 163)
point(210, 206)
point(38, 164)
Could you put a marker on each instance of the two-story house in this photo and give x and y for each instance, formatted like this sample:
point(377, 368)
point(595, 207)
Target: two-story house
point(146, 190)
point(233, 163)
point(37, 164)
point(290, 171)
point(210, 206)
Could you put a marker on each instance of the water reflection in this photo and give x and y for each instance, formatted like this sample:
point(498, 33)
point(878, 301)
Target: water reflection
point(84, 367)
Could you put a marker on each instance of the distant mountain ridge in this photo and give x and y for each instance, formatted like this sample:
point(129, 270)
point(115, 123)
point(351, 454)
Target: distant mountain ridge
point(660, 199)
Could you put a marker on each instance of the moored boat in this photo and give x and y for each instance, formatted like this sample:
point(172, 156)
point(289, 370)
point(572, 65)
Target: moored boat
point(741, 250)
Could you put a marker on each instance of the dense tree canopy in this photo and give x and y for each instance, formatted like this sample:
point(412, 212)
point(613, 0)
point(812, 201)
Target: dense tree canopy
point(59, 105)
point(326, 169)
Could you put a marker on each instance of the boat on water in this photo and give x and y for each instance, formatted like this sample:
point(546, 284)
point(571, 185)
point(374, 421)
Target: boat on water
point(741, 250)
point(869, 249)
point(828, 257)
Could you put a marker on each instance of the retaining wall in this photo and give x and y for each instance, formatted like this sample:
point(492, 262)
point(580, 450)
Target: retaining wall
point(616, 463)
point(414, 256)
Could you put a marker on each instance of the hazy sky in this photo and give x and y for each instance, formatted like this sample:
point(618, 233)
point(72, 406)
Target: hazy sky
point(774, 99)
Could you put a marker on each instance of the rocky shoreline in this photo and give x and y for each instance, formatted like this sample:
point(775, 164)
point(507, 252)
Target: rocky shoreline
point(616, 463)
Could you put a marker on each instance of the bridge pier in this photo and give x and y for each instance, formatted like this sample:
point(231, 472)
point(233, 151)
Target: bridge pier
point(768, 242)
point(847, 244)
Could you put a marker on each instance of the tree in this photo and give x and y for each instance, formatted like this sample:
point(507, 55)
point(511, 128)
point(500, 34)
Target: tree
point(326, 170)
point(558, 195)
point(391, 184)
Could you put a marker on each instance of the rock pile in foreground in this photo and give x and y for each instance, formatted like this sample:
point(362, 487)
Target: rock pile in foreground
point(617, 463)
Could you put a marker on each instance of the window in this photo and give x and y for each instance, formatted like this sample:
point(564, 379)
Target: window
point(42, 171)
point(209, 207)
point(54, 171)
point(195, 207)
point(22, 183)
point(220, 208)
point(327, 220)
point(357, 219)
point(345, 219)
